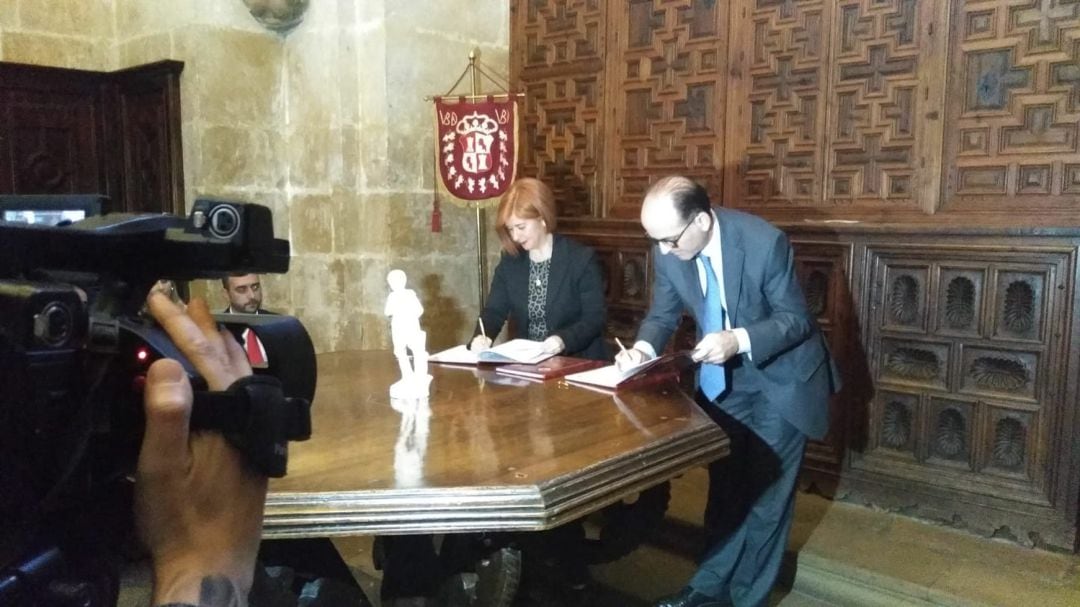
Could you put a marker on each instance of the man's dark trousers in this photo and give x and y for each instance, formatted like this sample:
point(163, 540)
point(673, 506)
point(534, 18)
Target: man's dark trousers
point(751, 500)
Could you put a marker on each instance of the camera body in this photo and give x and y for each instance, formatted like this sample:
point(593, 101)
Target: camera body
point(75, 345)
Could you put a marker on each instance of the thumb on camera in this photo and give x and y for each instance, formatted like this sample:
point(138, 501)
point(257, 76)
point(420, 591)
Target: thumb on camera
point(168, 401)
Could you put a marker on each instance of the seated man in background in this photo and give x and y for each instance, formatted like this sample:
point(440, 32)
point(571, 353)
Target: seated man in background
point(245, 296)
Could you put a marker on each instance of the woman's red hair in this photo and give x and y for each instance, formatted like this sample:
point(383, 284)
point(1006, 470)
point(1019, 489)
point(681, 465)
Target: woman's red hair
point(527, 198)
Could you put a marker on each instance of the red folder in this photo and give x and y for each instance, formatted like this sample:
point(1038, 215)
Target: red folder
point(556, 366)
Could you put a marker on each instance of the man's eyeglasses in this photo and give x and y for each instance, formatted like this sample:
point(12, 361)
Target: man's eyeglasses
point(673, 242)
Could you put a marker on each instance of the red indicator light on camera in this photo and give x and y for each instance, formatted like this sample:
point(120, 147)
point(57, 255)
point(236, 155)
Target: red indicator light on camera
point(142, 354)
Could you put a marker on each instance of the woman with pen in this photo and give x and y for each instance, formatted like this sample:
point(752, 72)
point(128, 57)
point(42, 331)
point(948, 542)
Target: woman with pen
point(548, 285)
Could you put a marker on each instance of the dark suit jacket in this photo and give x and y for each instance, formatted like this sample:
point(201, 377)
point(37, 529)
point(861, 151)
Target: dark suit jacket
point(791, 366)
point(575, 298)
point(238, 330)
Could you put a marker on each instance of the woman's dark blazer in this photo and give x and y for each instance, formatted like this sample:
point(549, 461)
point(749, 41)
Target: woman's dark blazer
point(575, 298)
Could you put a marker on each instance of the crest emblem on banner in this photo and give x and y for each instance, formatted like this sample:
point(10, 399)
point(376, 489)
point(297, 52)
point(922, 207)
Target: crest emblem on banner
point(477, 146)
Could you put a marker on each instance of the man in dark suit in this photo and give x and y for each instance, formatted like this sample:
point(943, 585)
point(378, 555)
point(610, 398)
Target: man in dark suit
point(244, 292)
point(765, 376)
point(245, 296)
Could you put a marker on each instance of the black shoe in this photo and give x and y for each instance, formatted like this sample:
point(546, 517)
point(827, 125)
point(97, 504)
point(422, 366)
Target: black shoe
point(688, 597)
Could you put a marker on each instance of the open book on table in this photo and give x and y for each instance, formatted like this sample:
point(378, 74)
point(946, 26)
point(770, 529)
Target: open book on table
point(612, 377)
point(524, 351)
point(556, 366)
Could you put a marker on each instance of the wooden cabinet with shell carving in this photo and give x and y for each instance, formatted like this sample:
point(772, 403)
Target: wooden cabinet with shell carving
point(963, 386)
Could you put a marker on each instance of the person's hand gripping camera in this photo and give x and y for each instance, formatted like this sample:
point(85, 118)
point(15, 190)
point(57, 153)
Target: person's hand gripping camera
point(198, 502)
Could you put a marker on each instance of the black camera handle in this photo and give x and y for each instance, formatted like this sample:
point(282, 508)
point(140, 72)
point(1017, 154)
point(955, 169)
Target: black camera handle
point(257, 418)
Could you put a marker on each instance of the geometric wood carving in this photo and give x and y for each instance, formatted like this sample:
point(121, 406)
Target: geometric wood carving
point(872, 143)
point(835, 105)
point(561, 66)
point(51, 139)
point(80, 132)
point(670, 96)
point(786, 47)
point(1015, 88)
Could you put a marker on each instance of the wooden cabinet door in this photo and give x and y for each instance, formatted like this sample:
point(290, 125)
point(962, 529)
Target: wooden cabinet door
point(50, 133)
point(68, 131)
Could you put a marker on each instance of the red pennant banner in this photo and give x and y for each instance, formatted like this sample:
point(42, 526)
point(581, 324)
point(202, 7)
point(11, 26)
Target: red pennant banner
point(477, 146)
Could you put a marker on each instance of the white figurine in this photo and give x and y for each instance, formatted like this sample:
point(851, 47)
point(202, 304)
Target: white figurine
point(404, 310)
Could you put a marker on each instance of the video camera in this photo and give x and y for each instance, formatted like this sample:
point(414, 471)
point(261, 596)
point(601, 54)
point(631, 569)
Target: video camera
point(75, 345)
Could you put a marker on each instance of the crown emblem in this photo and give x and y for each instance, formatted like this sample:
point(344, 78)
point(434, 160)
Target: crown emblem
point(477, 123)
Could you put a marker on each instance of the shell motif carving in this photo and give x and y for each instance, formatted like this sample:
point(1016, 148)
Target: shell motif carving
point(904, 300)
point(960, 303)
point(997, 373)
point(1018, 311)
point(896, 425)
point(949, 438)
point(633, 279)
point(1009, 444)
point(913, 363)
point(817, 292)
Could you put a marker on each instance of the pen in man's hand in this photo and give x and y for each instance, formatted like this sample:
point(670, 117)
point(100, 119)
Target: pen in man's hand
point(482, 330)
point(621, 347)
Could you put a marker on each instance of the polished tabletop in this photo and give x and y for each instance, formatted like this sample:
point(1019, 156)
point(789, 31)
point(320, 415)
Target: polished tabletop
point(484, 452)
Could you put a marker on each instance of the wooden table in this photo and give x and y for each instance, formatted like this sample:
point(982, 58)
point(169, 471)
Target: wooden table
point(484, 453)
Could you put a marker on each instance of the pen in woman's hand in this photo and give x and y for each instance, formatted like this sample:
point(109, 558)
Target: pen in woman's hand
point(482, 330)
point(621, 347)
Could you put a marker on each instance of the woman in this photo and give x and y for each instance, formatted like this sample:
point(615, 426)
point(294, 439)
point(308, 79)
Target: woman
point(548, 285)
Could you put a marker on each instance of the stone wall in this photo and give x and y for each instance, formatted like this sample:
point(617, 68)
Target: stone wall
point(65, 33)
point(327, 126)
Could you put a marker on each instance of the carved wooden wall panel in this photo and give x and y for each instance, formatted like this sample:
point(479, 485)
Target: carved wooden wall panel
point(147, 101)
point(835, 105)
point(782, 106)
point(669, 91)
point(967, 354)
point(78, 132)
point(1013, 123)
point(916, 121)
point(879, 134)
point(51, 141)
point(824, 270)
point(559, 63)
point(776, 112)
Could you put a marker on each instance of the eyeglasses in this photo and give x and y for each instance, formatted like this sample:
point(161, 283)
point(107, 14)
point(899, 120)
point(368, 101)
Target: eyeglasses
point(672, 242)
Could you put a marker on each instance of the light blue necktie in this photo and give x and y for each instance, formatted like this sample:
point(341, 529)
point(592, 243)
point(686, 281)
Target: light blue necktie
point(711, 377)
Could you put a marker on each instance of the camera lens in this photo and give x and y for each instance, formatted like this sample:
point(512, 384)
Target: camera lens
point(224, 221)
point(53, 325)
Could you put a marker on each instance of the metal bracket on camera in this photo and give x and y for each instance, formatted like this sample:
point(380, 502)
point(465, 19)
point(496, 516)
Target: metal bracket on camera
point(257, 418)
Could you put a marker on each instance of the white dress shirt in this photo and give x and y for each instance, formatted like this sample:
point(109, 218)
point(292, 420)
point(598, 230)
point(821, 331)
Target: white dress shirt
point(715, 253)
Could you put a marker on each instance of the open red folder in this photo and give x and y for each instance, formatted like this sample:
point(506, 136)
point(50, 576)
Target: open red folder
point(556, 366)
